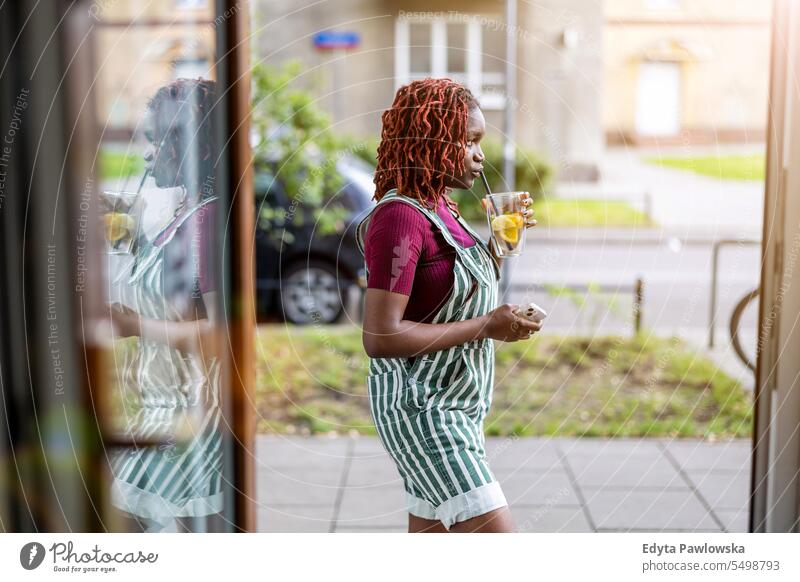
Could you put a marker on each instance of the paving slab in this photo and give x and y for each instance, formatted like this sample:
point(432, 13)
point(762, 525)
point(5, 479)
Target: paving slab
point(395, 529)
point(284, 451)
point(517, 452)
point(652, 510)
point(295, 519)
point(546, 486)
point(629, 484)
point(373, 506)
point(734, 520)
point(618, 470)
point(609, 447)
point(294, 485)
point(723, 489)
point(373, 471)
point(549, 519)
point(701, 455)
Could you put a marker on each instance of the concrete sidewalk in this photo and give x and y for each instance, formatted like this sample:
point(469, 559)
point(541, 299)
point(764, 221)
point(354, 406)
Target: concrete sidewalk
point(320, 484)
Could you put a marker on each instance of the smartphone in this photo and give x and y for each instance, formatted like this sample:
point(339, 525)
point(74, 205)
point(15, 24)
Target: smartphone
point(531, 312)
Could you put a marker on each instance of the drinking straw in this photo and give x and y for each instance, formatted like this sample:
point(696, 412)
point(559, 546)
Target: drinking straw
point(493, 203)
point(144, 177)
point(135, 244)
point(489, 192)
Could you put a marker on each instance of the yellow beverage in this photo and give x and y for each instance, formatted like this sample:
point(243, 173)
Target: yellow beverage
point(118, 226)
point(121, 215)
point(507, 227)
point(506, 219)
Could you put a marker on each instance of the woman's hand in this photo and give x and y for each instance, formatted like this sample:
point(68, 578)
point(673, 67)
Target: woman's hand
point(502, 324)
point(125, 320)
point(527, 212)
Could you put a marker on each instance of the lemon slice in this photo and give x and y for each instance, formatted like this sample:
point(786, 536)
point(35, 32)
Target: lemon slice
point(118, 225)
point(507, 227)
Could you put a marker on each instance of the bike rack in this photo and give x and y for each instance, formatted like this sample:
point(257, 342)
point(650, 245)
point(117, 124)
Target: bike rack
point(714, 265)
point(734, 328)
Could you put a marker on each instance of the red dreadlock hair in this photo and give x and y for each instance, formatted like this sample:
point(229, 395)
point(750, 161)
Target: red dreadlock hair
point(423, 139)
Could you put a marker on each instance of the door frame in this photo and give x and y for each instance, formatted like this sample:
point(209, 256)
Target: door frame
point(775, 487)
point(233, 66)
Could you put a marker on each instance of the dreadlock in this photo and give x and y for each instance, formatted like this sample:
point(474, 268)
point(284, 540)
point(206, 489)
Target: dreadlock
point(422, 140)
point(185, 129)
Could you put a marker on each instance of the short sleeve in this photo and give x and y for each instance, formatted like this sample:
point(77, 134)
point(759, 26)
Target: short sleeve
point(392, 246)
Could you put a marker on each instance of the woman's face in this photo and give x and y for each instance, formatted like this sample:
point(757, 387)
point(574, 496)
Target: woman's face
point(473, 155)
point(157, 160)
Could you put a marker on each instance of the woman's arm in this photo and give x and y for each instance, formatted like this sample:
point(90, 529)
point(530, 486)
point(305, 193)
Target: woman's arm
point(387, 335)
point(193, 336)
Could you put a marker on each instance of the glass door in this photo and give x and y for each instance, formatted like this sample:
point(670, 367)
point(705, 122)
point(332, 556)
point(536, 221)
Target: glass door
point(126, 392)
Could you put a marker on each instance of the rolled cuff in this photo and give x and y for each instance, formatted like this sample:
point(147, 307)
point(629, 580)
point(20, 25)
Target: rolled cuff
point(420, 507)
point(471, 504)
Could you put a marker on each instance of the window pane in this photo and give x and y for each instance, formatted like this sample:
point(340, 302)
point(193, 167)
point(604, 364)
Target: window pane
point(494, 49)
point(420, 47)
point(493, 78)
point(160, 202)
point(456, 47)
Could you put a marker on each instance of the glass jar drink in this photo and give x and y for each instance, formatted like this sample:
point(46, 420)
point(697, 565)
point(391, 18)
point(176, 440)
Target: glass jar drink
point(120, 221)
point(506, 222)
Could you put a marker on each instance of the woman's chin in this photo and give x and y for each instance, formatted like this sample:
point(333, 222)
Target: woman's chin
point(463, 183)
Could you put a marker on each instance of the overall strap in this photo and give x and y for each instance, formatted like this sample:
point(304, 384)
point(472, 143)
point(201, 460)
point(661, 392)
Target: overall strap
point(152, 250)
point(469, 261)
point(481, 243)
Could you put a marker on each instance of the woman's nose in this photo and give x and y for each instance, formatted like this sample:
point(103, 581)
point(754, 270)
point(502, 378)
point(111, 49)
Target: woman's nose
point(148, 155)
point(479, 157)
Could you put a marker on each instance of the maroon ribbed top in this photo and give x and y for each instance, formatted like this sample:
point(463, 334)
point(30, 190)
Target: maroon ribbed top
point(406, 253)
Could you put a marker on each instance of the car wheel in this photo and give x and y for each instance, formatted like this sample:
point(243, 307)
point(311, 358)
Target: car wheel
point(310, 293)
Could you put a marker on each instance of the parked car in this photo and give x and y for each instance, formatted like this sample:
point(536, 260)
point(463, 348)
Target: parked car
point(303, 276)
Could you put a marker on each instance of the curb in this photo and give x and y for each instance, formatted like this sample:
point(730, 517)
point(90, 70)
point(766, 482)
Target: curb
point(688, 236)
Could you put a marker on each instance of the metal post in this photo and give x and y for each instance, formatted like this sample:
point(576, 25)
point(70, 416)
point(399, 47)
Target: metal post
point(509, 121)
point(712, 310)
point(638, 303)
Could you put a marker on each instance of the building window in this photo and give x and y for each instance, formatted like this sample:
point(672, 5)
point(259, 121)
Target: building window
point(457, 47)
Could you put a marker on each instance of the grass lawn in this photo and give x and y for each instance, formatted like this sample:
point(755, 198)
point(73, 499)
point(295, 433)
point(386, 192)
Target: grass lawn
point(116, 165)
point(578, 212)
point(312, 380)
point(721, 167)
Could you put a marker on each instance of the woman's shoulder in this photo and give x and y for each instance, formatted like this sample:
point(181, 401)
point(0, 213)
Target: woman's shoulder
point(395, 220)
point(199, 221)
point(397, 212)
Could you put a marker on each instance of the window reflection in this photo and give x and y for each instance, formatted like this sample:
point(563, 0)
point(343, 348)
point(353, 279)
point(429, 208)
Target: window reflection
point(160, 203)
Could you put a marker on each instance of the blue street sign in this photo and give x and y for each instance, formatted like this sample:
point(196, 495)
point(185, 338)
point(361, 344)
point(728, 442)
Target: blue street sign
point(336, 39)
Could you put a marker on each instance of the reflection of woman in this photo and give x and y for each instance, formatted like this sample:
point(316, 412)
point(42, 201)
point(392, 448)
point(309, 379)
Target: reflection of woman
point(177, 376)
point(429, 314)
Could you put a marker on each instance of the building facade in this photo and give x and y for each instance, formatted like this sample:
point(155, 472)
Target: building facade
point(557, 110)
point(681, 71)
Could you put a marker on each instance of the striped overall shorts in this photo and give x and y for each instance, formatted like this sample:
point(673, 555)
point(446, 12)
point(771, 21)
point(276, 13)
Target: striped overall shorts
point(429, 410)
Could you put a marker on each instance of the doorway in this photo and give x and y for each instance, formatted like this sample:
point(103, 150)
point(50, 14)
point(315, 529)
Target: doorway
point(658, 102)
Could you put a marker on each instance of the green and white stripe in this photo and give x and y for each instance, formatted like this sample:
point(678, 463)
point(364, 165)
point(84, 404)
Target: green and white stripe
point(182, 477)
point(429, 414)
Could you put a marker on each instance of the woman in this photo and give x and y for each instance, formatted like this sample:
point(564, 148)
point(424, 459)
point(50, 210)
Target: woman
point(429, 315)
point(177, 376)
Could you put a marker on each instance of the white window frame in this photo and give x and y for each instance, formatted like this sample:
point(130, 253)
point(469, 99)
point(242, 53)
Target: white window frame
point(475, 76)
